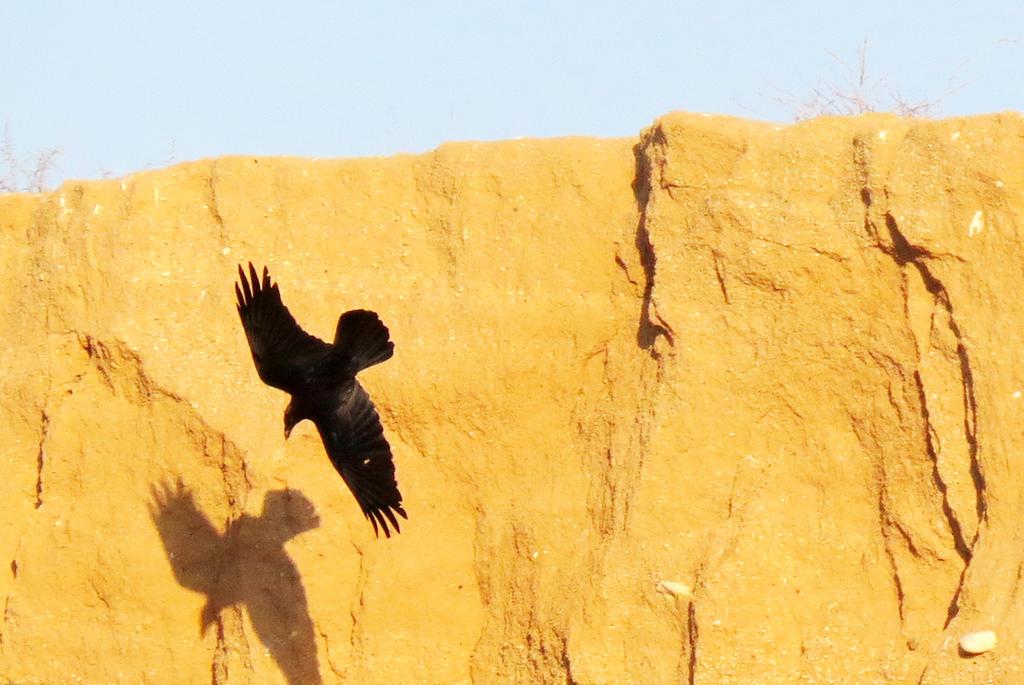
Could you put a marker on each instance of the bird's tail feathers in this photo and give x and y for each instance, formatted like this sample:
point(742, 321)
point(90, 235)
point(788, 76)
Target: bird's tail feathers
point(362, 340)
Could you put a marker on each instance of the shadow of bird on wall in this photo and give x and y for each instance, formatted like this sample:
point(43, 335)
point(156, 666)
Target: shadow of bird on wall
point(246, 565)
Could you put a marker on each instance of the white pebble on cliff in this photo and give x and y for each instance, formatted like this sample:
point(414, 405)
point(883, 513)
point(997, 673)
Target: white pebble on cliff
point(978, 642)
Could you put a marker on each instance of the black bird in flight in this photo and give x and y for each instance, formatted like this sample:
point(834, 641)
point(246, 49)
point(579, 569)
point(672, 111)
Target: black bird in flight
point(321, 379)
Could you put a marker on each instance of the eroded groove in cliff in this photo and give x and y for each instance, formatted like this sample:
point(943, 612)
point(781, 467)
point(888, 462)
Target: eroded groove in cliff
point(213, 204)
point(6, 617)
point(652, 325)
point(885, 521)
point(962, 547)
point(692, 636)
point(970, 415)
point(219, 665)
point(234, 474)
point(357, 608)
point(625, 269)
point(335, 669)
point(41, 458)
point(905, 253)
point(570, 677)
point(717, 261)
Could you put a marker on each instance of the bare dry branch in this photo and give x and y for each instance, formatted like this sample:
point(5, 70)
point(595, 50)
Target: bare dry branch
point(24, 175)
point(857, 92)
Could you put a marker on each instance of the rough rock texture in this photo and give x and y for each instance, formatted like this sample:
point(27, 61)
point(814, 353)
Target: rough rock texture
point(781, 366)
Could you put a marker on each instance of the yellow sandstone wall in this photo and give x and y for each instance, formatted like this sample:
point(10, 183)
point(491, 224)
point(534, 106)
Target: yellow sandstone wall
point(728, 403)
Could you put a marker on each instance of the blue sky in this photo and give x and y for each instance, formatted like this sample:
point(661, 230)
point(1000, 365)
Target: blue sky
point(120, 86)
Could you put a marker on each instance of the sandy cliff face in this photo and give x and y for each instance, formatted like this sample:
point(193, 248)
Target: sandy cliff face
point(779, 366)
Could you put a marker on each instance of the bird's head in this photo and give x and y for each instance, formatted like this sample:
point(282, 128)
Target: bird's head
point(290, 419)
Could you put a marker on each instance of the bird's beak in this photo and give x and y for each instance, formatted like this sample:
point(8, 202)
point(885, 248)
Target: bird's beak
point(287, 432)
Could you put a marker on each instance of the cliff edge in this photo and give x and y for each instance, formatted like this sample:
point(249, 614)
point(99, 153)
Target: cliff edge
point(729, 403)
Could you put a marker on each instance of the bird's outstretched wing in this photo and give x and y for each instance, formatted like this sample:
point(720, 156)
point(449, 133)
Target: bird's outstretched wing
point(285, 355)
point(357, 447)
